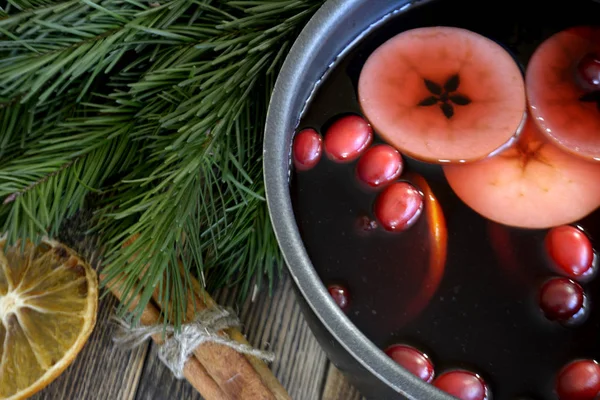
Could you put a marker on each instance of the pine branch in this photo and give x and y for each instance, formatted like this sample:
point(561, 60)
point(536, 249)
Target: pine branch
point(22, 123)
point(58, 159)
point(15, 6)
point(172, 142)
point(204, 98)
point(49, 183)
point(42, 51)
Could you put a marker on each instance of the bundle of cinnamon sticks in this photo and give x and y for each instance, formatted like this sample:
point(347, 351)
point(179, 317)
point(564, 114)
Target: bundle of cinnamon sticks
point(216, 371)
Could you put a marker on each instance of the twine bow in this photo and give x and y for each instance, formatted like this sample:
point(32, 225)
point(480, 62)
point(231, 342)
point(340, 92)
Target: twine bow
point(179, 346)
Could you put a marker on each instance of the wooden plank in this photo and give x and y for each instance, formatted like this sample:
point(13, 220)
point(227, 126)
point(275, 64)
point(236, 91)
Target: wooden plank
point(157, 382)
point(102, 370)
point(272, 323)
point(337, 387)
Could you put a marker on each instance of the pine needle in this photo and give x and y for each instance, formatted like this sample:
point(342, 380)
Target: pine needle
point(157, 109)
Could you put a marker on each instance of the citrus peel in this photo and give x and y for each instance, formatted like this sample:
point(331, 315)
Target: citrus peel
point(48, 304)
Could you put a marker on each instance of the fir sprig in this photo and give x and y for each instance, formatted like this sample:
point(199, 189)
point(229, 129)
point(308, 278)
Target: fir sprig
point(159, 109)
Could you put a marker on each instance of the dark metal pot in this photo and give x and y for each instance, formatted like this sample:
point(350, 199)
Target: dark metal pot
point(331, 30)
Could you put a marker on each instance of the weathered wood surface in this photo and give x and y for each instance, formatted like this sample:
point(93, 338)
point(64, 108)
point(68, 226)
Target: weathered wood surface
point(337, 388)
point(105, 371)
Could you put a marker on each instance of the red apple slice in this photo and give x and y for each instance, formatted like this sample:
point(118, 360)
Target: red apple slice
point(534, 184)
point(443, 94)
point(557, 94)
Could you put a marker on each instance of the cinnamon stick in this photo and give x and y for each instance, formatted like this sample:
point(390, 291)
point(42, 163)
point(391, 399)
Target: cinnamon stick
point(194, 371)
point(201, 297)
point(239, 376)
point(230, 370)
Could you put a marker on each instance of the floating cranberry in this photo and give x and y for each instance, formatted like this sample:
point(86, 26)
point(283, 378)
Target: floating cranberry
point(570, 249)
point(398, 206)
point(347, 138)
point(379, 165)
point(579, 380)
point(340, 295)
point(561, 298)
point(307, 149)
point(413, 360)
point(463, 385)
point(588, 70)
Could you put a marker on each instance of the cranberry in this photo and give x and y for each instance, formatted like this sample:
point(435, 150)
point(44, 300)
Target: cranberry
point(347, 138)
point(463, 385)
point(340, 295)
point(588, 70)
point(579, 380)
point(570, 249)
point(561, 298)
point(379, 165)
point(307, 149)
point(413, 360)
point(398, 206)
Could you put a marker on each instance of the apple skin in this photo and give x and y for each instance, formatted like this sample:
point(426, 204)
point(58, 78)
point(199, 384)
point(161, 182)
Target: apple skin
point(443, 94)
point(533, 184)
point(566, 109)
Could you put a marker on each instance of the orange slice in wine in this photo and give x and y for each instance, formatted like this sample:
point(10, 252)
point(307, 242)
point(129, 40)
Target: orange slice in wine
point(438, 237)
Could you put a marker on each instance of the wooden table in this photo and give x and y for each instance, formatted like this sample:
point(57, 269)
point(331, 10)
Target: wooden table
point(105, 371)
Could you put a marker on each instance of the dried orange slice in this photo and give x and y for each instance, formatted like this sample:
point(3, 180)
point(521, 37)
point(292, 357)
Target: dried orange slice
point(48, 303)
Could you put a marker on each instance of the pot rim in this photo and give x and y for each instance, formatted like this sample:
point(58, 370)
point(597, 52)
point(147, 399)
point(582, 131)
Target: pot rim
point(276, 161)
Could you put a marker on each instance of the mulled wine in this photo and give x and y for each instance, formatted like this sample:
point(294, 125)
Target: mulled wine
point(446, 184)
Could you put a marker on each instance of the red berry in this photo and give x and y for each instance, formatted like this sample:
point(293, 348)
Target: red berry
point(379, 165)
point(579, 380)
point(413, 360)
point(561, 298)
point(340, 295)
point(570, 249)
point(398, 206)
point(463, 385)
point(347, 138)
point(307, 149)
point(588, 70)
